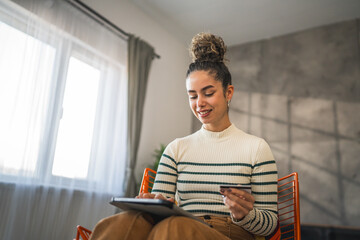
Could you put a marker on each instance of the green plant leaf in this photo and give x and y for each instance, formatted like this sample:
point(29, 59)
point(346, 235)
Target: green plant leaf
point(158, 152)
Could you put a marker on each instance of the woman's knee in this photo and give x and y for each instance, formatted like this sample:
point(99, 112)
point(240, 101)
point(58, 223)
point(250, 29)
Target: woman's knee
point(122, 226)
point(177, 227)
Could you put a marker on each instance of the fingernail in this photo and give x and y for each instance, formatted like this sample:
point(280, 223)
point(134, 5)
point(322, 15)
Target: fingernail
point(229, 189)
point(222, 190)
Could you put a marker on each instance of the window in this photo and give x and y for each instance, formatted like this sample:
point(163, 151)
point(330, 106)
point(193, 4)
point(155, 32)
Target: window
point(72, 152)
point(63, 108)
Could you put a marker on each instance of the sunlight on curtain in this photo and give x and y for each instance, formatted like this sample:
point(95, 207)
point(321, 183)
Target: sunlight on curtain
point(63, 104)
point(23, 91)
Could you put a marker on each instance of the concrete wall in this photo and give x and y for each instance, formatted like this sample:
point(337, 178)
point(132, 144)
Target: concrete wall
point(166, 112)
point(301, 92)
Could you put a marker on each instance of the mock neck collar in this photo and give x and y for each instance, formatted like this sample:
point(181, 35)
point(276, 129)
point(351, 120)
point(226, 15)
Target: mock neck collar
point(226, 132)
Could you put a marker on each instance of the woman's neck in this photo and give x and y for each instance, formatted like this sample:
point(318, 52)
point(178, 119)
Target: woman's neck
point(218, 127)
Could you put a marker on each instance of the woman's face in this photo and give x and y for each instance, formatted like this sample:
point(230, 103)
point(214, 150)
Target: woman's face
point(207, 100)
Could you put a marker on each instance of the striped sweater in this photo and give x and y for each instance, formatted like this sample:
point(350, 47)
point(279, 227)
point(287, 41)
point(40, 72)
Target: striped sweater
point(192, 168)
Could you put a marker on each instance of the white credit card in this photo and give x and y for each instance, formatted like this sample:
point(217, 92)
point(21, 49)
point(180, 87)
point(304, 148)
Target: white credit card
point(246, 188)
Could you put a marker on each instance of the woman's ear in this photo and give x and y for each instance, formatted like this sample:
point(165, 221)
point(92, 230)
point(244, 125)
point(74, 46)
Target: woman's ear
point(229, 92)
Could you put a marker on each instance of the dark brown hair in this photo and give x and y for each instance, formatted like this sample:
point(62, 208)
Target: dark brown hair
point(208, 51)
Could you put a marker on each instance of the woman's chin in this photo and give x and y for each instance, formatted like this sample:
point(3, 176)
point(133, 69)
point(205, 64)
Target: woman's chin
point(204, 121)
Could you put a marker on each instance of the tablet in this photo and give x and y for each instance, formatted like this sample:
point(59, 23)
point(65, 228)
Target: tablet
point(158, 208)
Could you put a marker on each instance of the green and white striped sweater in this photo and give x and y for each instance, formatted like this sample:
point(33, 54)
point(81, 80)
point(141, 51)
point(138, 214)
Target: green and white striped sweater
point(193, 167)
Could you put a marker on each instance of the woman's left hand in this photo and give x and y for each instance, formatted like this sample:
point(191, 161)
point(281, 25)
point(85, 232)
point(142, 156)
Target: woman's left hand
point(239, 202)
point(154, 196)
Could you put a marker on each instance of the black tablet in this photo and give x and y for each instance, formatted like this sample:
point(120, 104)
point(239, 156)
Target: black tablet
point(158, 208)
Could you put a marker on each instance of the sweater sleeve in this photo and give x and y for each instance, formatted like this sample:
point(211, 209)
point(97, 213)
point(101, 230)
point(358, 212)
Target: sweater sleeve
point(262, 220)
point(166, 176)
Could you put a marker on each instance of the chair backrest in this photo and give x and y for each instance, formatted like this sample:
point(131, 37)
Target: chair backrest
point(147, 180)
point(83, 232)
point(288, 202)
point(289, 206)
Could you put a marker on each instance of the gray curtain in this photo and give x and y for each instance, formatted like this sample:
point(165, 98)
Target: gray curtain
point(140, 56)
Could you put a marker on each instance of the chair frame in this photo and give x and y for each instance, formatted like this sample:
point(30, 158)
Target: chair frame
point(289, 207)
point(147, 180)
point(83, 232)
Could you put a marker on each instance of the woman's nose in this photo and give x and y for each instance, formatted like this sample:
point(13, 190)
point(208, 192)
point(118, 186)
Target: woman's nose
point(200, 101)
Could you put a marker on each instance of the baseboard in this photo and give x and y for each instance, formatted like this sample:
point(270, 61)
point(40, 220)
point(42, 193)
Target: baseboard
point(329, 232)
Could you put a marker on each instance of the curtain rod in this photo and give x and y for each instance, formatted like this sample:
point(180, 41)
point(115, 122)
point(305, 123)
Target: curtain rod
point(101, 19)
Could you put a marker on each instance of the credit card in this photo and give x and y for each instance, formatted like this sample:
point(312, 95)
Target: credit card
point(241, 187)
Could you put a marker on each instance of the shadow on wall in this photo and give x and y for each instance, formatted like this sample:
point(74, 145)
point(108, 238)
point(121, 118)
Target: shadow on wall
point(301, 92)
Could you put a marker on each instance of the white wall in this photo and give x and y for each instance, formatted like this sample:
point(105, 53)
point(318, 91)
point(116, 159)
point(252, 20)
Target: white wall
point(166, 113)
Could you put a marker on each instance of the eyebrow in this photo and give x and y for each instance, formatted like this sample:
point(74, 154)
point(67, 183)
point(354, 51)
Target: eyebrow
point(202, 90)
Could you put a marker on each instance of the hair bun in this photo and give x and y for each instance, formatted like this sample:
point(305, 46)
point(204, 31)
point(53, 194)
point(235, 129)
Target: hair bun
point(207, 47)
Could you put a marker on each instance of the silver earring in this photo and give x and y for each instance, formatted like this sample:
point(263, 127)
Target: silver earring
point(228, 103)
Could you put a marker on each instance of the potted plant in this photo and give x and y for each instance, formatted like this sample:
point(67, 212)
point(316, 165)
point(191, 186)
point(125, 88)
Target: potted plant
point(158, 152)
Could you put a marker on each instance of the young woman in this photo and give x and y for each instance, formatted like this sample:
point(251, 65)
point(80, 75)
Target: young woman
point(193, 168)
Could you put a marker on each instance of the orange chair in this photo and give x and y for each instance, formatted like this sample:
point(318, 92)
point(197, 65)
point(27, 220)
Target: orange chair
point(288, 205)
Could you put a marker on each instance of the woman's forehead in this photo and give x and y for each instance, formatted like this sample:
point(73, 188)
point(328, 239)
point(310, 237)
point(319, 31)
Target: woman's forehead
point(199, 80)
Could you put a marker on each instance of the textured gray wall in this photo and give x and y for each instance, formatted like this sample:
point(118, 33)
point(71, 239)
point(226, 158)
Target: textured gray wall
point(301, 92)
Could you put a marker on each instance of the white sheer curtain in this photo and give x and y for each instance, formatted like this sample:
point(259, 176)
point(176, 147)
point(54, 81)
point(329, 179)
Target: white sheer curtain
point(63, 100)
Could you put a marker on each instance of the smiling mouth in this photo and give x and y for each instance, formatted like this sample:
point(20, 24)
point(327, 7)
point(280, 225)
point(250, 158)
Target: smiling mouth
point(204, 113)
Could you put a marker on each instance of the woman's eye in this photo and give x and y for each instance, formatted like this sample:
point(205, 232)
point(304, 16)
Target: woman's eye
point(192, 97)
point(209, 94)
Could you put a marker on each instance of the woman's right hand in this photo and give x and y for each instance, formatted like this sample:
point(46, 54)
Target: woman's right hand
point(154, 196)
